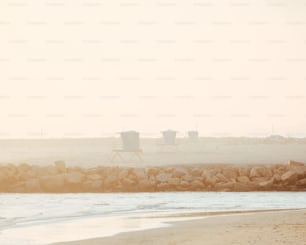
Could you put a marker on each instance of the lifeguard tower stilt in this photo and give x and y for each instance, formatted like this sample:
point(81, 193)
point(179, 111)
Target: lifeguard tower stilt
point(130, 148)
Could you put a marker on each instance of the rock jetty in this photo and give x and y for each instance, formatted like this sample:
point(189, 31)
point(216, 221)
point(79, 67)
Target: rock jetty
point(59, 178)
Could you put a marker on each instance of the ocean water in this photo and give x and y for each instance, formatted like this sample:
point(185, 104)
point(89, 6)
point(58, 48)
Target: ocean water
point(32, 219)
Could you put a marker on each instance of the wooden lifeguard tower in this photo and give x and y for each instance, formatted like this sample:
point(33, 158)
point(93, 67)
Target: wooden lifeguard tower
point(193, 136)
point(129, 149)
point(168, 142)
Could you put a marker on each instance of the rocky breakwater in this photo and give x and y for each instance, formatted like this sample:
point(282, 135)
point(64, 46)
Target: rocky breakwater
point(59, 178)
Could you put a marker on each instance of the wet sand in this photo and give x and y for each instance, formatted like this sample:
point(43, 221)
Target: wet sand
point(272, 227)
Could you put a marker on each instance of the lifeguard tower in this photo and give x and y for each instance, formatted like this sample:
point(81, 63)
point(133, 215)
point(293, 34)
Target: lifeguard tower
point(193, 136)
point(129, 149)
point(169, 141)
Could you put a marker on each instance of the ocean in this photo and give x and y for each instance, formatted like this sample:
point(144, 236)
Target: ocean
point(36, 219)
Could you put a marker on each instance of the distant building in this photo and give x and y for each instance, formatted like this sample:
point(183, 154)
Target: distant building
point(193, 135)
point(130, 140)
point(169, 137)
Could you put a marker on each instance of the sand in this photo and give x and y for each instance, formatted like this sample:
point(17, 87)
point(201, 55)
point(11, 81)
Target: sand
point(274, 227)
point(97, 152)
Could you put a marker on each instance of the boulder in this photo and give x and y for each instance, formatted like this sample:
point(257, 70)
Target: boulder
point(302, 182)
point(111, 181)
point(32, 185)
point(162, 186)
point(230, 173)
point(211, 181)
point(221, 178)
point(266, 183)
point(145, 184)
point(196, 184)
point(300, 171)
point(289, 177)
point(153, 171)
point(126, 182)
point(276, 178)
point(123, 173)
point(23, 167)
point(74, 177)
point(260, 171)
point(243, 179)
point(94, 177)
point(60, 166)
point(179, 172)
point(163, 177)
point(53, 183)
point(205, 174)
point(244, 171)
point(196, 172)
point(296, 164)
point(140, 173)
point(92, 185)
point(174, 181)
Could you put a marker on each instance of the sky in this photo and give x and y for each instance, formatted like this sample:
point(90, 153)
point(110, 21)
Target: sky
point(95, 68)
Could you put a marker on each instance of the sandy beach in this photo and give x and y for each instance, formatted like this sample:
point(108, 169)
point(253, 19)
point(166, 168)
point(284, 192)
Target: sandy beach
point(275, 227)
point(97, 151)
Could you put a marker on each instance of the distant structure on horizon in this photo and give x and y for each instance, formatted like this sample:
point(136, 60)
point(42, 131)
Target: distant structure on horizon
point(193, 135)
point(169, 137)
point(130, 145)
point(130, 140)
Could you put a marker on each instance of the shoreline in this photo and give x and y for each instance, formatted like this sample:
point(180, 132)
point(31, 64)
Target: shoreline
point(266, 225)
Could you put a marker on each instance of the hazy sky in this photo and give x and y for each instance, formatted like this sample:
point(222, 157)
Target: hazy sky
point(92, 68)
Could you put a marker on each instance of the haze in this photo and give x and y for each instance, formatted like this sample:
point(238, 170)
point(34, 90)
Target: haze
point(94, 68)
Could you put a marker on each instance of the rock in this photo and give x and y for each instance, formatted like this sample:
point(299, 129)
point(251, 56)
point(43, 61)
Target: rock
point(61, 166)
point(18, 188)
point(221, 178)
point(260, 172)
point(179, 172)
point(184, 184)
point(174, 181)
point(289, 177)
point(145, 184)
point(225, 186)
point(32, 185)
point(23, 167)
point(211, 180)
point(244, 171)
point(123, 173)
point(204, 175)
point(196, 184)
point(74, 177)
point(53, 183)
point(163, 177)
point(153, 171)
point(302, 182)
point(276, 178)
point(140, 173)
point(300, 171)
point(94, 177)
point(92, 185)
point(196, 172)
point(111, 181)
point(243, 179)
point(230, 173)
point(127, 182)
point(52, 170)
point(162, 186)
point(296, 164)
point(267, 183)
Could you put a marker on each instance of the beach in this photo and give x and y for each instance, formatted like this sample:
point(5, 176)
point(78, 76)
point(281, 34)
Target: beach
point(275, 227)
point(92, 152)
